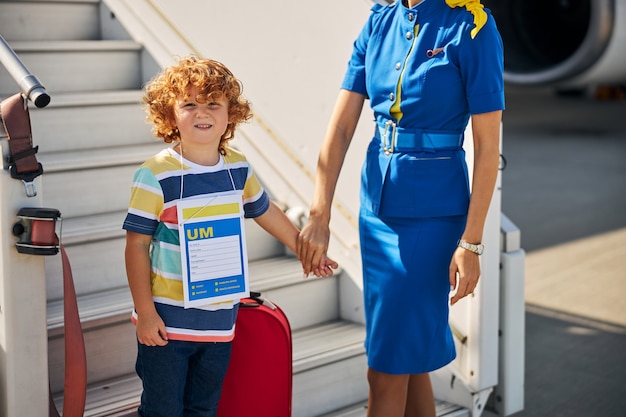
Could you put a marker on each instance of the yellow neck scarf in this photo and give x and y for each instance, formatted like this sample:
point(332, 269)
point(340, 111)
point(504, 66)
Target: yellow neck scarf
point(475, 8)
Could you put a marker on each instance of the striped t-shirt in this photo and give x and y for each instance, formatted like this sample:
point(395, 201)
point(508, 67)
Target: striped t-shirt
point(152, 211)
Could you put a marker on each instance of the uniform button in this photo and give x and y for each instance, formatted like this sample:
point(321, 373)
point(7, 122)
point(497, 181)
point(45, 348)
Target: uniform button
point(398, 66)
point(392, 96)
point(411, 17)
point(409, 35)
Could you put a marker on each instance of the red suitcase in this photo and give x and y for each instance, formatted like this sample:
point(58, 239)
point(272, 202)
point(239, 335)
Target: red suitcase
point(258, 380)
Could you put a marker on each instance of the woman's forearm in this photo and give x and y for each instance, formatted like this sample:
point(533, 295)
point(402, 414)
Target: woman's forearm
point(338, 136)
point(486, 130)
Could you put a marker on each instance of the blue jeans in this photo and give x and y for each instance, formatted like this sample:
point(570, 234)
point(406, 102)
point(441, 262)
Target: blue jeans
point(181, 379)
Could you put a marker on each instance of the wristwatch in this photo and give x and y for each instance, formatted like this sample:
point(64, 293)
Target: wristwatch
point(477, 248)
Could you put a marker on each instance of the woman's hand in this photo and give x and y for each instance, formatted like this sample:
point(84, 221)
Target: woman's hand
point(466, 266)
point(312, 245)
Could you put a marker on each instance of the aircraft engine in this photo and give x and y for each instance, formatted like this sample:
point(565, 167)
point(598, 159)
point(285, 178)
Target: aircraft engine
point(562, 43)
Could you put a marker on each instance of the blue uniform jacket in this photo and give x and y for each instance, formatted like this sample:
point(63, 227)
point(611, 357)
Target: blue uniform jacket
point(442, 75)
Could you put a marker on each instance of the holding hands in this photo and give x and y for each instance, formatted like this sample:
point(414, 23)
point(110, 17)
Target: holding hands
point(311, 247)
point(324, 268)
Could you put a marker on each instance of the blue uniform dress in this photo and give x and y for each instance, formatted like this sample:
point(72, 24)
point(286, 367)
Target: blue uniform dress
point(424, 75)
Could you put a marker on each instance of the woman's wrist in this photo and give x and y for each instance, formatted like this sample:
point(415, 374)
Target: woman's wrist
point(319, 215)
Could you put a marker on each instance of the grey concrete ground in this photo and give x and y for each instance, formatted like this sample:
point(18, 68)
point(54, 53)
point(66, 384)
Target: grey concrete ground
point(565, 188)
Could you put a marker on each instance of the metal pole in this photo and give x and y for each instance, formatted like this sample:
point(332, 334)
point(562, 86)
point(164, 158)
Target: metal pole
point(23, 325)
point(23, 328)
point(29, 84)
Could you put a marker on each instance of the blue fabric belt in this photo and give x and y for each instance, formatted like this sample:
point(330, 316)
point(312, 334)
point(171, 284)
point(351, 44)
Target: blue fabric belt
point(397, 139)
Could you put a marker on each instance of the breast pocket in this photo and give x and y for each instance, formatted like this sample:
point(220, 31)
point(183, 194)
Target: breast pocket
point(426, 185)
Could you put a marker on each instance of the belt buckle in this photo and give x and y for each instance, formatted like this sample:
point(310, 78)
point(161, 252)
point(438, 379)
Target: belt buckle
point(390, 149)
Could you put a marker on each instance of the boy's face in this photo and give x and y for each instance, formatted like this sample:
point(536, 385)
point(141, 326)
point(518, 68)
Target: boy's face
point(201, 123)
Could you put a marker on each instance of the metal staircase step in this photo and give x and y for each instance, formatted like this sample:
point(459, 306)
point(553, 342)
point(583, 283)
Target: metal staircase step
point(118, 397)
point(96, 310)
point(99, 308)
point(87, 192)
point(305, 301)
point(91, 159)
point(82, 230)
point(105, 315)
point(29, 20)
point(95, 246)
point(67, 66)
point(110, 351)
point(90, 120)
point(326, 343)
point(97, 267)
point(329, 367)
point(320, 349)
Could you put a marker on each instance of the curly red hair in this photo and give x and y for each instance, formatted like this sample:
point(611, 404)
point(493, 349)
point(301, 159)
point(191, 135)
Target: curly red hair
point(213, 81)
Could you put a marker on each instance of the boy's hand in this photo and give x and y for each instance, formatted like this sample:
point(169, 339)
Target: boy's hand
point(325, 267)
point(151, 330)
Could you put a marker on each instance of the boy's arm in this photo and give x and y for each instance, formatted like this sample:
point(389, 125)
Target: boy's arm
point(277, 224)
point(150, 326)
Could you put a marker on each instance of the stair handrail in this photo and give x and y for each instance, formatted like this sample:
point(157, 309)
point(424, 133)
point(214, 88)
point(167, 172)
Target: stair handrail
point(29, 84)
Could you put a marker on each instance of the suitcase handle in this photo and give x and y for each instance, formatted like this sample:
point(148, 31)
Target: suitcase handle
point(255, 300)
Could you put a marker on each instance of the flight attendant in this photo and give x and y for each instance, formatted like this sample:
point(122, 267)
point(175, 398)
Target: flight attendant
point(425, 67)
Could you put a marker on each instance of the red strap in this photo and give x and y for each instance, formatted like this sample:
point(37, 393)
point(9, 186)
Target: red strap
point(75, 386)
point(16, 122)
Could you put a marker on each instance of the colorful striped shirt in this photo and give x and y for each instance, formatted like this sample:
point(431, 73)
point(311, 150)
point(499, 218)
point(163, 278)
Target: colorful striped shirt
point(156, 189)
